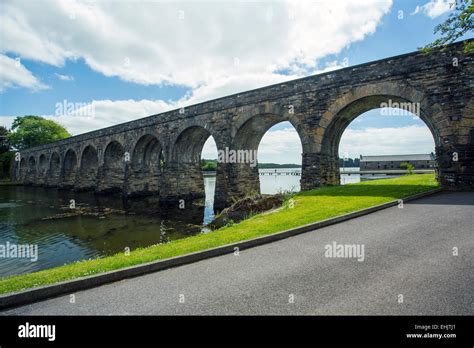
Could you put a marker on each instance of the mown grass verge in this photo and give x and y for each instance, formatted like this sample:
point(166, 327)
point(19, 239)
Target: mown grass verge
point(305, 207)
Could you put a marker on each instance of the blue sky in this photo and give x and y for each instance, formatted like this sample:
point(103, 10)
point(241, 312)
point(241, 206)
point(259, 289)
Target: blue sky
point(134, 60)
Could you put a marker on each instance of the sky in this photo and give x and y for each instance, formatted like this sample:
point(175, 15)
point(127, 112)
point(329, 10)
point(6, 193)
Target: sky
point(91, 64)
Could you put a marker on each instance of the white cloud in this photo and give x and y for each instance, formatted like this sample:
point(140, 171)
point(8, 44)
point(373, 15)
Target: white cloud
point(214, 48)
point(209, 150)
point(64, 77)
point(14, 74)
point(280, 146)
point(186, 43)
point(108, 113)
point(29, 39)
point(233, 84)
point(99, 113)
point(434, 8)
point(386, 141)
point(6, 121)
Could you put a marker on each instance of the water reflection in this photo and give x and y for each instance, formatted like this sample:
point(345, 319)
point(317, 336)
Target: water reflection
point(106, 225)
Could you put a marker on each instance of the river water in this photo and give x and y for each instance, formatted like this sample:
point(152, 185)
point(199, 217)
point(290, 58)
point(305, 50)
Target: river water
point(40, 217)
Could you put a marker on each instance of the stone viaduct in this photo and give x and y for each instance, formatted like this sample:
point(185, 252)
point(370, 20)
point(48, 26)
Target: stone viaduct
point(160, 154)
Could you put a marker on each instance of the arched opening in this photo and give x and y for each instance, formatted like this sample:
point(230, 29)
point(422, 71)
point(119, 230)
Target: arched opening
point(279, 159)
point(186, 158)
point(88, 169)
point(114, 168)
point(42, 168)
point(43, 164)
point(209, 157)
point(54, 169)
point(386, 119)
point(148, 163)
point(248, 139)
point(31, 176)
point(23, 169)
point(383, 141)
point(69, 169)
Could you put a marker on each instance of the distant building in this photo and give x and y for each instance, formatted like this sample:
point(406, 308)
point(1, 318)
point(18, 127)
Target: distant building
point(421, 161)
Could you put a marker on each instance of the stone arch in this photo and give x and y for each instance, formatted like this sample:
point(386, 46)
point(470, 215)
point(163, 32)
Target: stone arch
point(54, 169)
point(345, 116)
point(32, 164)
point(69, 169)
point(23, 169)
point(43, 164)
point(364, 98)
point(147, 152)
point(188, 145)
point(147, 165)
point(42, 169)
point(54, 162)
point(351, 105)
point(114, 154)
point(31, 170)
point(248, 137)
point(89, 166)
point(112, 174)
point(183, 175)
point(249, 134)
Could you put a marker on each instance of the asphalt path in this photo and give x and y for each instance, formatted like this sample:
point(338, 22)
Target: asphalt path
point(418, 260)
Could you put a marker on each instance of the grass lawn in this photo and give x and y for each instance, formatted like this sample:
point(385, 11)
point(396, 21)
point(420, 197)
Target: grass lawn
point(306, 207)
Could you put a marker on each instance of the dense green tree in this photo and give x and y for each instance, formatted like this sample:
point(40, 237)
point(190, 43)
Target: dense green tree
point(6, 159)
point(6, 155)
point(28, 131)
point(459, 23)
point(349, 162)
point(208, 165)
point(4, 143)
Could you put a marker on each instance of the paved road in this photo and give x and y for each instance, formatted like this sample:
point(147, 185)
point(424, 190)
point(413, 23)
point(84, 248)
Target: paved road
point(408, 252)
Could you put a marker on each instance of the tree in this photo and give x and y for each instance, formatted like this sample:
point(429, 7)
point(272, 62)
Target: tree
point(6, 155)
point(29, 131)
point(4, 143)
point(209, 165)
point(459, 23)
point(6, 159)
point(349, 162)
point(408, 166)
